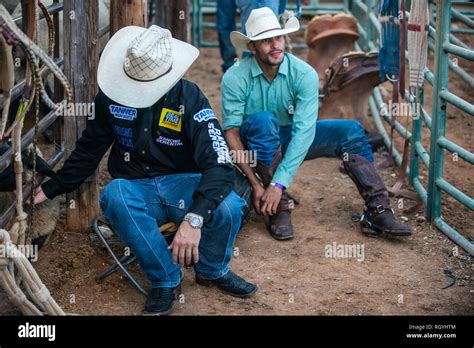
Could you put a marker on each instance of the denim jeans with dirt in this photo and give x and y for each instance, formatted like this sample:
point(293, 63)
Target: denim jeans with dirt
point(262, 133)
point(135, 208)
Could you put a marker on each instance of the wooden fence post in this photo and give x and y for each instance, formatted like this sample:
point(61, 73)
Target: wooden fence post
point(127, 12)
point(175, 16)
point(80, 23)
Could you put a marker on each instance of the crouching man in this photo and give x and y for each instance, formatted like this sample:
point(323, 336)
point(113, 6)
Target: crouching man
point(169, 161)
point(270, 105)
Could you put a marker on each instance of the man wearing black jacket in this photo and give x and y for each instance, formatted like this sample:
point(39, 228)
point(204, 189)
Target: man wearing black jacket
point(169, 161)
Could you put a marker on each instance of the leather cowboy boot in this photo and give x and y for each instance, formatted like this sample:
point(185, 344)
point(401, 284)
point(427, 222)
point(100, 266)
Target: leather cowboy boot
point(378, 216)
point(280, 225)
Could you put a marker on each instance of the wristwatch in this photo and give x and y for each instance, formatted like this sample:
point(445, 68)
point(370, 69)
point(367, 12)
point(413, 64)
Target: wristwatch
point(194, 220)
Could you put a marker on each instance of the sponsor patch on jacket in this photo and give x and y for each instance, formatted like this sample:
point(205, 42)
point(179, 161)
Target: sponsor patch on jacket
point(123, 112)
point(124, 135)
point(204, 115)
point(171, 119)
point(219, 145)
point(169, 142)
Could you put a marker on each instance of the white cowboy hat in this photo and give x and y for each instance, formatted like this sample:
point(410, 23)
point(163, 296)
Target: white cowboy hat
point(138, 65)
point(262, 24)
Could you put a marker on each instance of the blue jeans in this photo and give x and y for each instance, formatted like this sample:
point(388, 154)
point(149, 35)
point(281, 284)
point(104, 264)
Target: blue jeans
point(226, 13)
point(246, 6)
point(135, 209)
point(282, 6)
point(262, 133)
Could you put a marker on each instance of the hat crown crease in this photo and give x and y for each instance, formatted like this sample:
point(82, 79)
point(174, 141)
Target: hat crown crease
point(260, 21)
point(149, 55)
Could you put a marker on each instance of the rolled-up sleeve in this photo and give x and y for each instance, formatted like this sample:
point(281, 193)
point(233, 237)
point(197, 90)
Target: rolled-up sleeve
point(303, 130)
point(233, 100)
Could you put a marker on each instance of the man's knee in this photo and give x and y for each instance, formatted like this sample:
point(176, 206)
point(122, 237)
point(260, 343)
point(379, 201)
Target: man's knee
point(356, 140)
point(230, 211)
point(263, 120)
point(115, 193)
point(355, 127)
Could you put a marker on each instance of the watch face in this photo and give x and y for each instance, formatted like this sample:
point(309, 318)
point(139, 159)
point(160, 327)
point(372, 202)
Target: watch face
point(194, 221)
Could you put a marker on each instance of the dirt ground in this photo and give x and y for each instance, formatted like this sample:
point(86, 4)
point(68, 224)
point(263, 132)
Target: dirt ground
point(396, 276)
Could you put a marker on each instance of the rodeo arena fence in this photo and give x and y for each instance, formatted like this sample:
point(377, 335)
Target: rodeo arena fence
point(18, 278)
point(442, 42)
point(437, 36)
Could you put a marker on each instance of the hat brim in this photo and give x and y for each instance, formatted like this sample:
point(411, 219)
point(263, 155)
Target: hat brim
point(121, 88)
point(240, 40)
point(334, 32)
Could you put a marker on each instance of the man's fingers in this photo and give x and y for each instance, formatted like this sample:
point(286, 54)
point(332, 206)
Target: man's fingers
point(264, 208)
point(267, 208)
point(189, 254)
point(182, 255)
point(196, 254)
point(175, 252)
point(257, 206)
point(275, 207)
point(264, 204)
point(40, 197)
point(270, 210)
point(271, 205)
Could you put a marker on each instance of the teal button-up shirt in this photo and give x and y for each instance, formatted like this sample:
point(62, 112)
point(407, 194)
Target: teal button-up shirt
point(292, 96)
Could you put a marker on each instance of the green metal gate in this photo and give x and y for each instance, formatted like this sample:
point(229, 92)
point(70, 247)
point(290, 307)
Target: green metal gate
point(444, 43)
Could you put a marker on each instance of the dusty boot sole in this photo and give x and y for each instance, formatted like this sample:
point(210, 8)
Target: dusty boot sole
point(374, 232)
point(159, 314)
point(210, 284)
point(274, 236)
point(281, 237)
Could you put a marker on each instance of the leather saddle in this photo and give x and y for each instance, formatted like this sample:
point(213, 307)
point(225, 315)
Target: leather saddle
point(347, 86)
point(348, 68)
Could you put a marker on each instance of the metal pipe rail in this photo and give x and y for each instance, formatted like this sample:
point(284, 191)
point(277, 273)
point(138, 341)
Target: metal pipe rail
point(445, 44)
point(45, 122)
point(200, 8)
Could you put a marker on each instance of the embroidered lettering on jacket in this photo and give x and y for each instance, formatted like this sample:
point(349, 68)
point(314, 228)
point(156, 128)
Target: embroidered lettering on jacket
point(170, 142)
point(204, 115)
point(124, 135)
point(218, 144)
point(123, 112)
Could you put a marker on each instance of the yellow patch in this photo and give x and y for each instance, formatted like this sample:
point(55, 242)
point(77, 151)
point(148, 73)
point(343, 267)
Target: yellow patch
point(171, 119)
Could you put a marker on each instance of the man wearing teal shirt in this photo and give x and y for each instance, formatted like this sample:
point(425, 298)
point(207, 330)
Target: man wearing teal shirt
point(270, 105)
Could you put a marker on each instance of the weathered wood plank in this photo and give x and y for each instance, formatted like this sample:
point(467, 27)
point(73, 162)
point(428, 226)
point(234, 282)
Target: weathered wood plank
point(127, 12)
point(175, 16)
point(80, 24)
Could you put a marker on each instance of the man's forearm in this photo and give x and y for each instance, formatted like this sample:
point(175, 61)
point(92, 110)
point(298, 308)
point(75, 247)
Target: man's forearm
point(235, 143)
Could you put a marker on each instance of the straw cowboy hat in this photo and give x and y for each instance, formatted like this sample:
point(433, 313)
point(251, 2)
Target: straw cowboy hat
point(262, 24)
point(140, 65)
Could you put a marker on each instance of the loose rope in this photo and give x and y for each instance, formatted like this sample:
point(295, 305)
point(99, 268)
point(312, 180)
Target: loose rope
point(12, 259)
point(36, 289)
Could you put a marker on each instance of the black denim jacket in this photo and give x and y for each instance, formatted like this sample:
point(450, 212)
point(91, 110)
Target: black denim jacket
point(178, 134)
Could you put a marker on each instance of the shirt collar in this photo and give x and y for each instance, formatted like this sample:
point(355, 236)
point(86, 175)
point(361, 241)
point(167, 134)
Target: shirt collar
point(284, 66)
point(256, 70)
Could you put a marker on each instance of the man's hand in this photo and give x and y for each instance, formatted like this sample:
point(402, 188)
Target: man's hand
point(39, 196)
point(270, 200)
point(257, 192)
point(185, 244)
